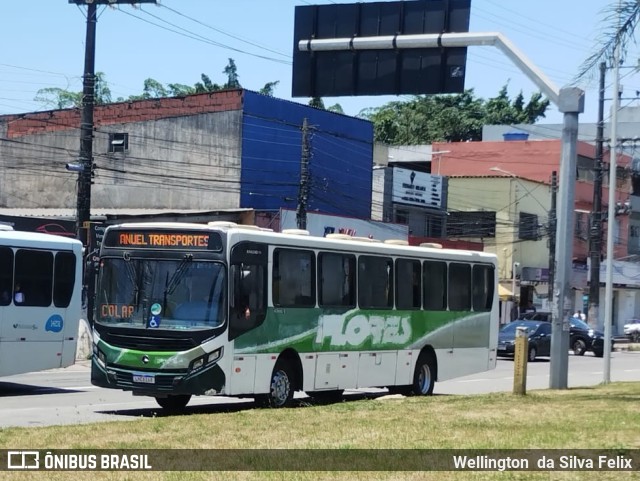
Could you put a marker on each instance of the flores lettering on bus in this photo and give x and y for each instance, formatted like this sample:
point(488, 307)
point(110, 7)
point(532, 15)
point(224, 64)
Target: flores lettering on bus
point(356, 330)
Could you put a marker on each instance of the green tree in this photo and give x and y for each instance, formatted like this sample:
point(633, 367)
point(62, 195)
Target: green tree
point(620, 22)
point(206, 85)
point(269, 88)
point(231, 71)
point(317, 102)
point(454, 118)
point(57, 98)
point(180, 90)
point(152, 90)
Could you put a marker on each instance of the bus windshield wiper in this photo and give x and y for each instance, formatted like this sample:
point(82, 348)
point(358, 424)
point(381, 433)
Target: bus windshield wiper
point(172, 282)
point(132, 275)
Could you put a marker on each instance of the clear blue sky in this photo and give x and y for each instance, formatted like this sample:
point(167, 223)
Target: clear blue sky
point(43, 46)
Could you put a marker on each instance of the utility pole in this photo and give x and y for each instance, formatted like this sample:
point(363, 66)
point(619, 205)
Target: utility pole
point(85, 165)
point(303, 190)
point(595, 248)
point(86, 128)
point(552, 233)
point(611, 216)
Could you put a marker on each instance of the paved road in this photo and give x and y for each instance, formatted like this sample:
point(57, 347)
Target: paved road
point(66, 396)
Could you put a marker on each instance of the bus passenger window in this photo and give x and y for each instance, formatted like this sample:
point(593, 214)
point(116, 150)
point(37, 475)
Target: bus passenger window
point(6, 275)
point(483, 281)
point(408, 284)
point(337, 280)
point(34, 273)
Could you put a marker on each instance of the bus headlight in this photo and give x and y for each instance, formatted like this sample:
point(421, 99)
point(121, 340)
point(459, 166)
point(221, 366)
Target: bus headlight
point(214, 356)
point(100, 356)
point(197, 364)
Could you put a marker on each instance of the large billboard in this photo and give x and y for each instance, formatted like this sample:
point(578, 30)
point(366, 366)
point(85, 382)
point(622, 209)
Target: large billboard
point(379, 71)
point(417, 188)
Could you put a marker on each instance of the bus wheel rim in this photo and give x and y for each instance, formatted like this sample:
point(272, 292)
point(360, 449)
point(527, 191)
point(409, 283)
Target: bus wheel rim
point(280, 388)
point(424, 379)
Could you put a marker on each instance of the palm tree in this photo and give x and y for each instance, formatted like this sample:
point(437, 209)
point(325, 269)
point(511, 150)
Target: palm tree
point(621, 20)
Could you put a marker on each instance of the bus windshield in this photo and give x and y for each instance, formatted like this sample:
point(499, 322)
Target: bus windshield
point(168, 294)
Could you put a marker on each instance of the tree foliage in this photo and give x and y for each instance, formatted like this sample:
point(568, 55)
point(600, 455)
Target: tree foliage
point(620, 22)
point(57, 98)
point(269, 88)
point(454, 118)
point(318, 103)
point(231, 71)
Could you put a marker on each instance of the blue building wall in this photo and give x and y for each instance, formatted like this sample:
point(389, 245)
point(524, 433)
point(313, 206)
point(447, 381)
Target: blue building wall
point(340, 166)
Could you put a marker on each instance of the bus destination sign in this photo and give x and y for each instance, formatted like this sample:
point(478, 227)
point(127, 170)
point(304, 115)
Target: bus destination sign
point(159, 239)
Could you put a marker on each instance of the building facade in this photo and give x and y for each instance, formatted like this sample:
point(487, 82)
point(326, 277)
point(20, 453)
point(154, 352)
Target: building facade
point(219, 150)
point(518, 173)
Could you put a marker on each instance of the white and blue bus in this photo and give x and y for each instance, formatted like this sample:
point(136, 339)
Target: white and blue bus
point(40, 301)
point(222, 309)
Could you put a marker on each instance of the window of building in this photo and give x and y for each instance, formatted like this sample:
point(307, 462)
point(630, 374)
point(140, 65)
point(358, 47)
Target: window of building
point(375, 282)
point(408, 284)
point(34, 278)
point(434, 281)
point(337, 280)
point(585, 168)
point(118, 142)
point(582, 225)
point(460, 291)
point(64, 278)
point(294, 276)
point(483, 281)
point(528, 227)
point(471, 224)
point(402, 216)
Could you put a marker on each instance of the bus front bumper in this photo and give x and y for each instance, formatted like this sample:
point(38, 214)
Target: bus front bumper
point(209, 380)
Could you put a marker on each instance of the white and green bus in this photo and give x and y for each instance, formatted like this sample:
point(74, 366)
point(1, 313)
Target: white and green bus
point(223, 309)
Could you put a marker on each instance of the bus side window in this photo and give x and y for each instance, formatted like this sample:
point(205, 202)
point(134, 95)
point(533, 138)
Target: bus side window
point(34, 273)
point(6, 275)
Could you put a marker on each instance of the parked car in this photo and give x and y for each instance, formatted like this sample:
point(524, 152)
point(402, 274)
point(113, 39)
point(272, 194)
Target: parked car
point(582, 337)
point(539, 338)
point(632, 330)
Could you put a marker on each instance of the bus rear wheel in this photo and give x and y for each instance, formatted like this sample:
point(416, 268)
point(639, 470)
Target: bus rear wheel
point(424, 377)
point(280, 388)
point(174, 403)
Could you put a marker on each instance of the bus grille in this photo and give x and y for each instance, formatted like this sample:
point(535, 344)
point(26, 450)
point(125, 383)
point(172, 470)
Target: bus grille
point(149, 343)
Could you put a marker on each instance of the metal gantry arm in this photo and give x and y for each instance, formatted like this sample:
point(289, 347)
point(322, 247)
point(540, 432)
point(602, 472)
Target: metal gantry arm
point(452, 40)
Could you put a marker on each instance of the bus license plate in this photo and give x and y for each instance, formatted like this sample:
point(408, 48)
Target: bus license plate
point(144, 378)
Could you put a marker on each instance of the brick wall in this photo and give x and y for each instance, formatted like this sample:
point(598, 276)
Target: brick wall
point(123, 112)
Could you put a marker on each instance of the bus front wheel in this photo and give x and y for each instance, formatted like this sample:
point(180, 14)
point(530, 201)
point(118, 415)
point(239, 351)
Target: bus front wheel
point(281, 387)
point(174, 403)
point(424, 377)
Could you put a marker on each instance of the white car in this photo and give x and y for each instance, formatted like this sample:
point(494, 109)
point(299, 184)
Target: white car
point(632, 330)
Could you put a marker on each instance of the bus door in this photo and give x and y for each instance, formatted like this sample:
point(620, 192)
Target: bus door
point(247, 310)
